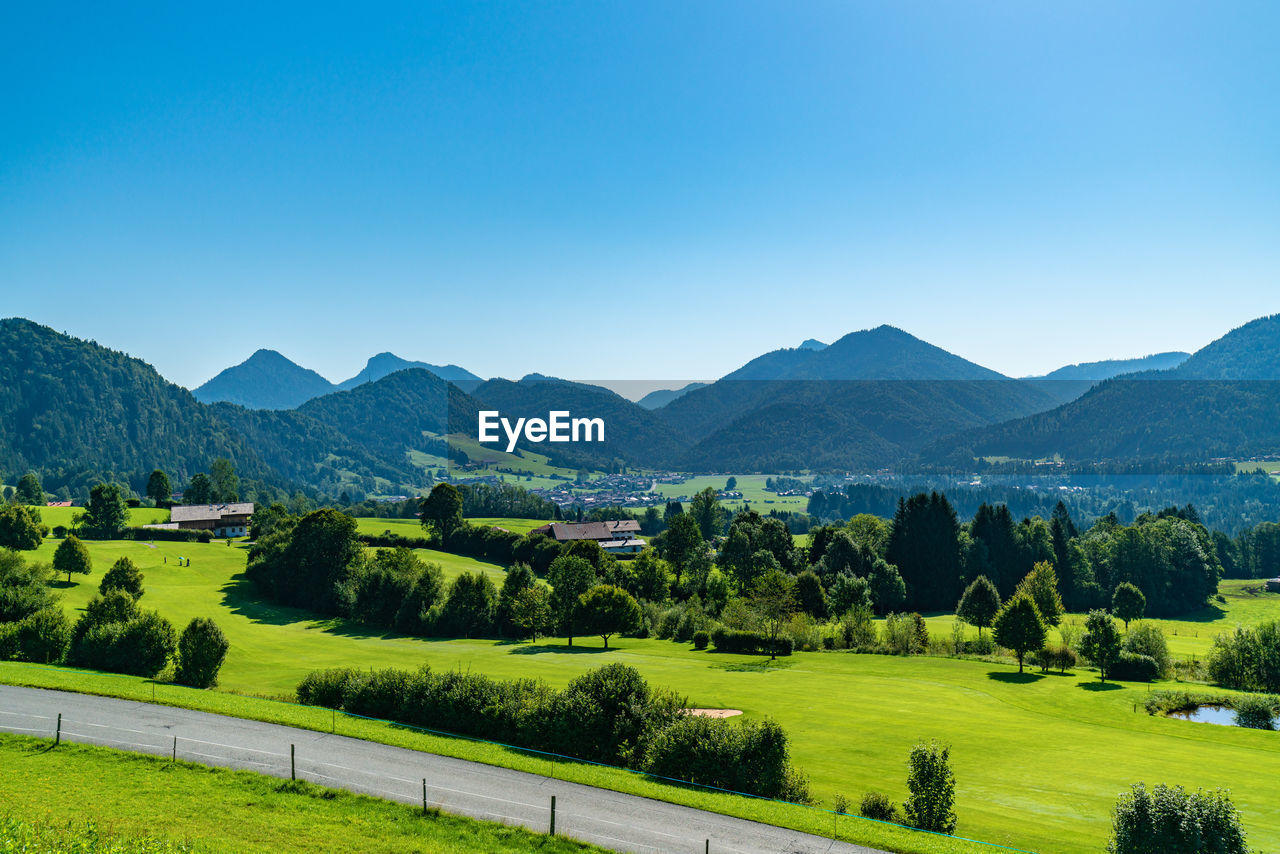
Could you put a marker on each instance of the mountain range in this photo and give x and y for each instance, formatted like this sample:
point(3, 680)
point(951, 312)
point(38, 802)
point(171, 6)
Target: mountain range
point(269, 380)
point(878, 398)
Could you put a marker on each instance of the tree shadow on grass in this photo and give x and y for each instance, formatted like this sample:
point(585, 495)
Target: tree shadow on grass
point(1101, 686)
point(1014, 678)
point(1208, 614)
point(240, 596)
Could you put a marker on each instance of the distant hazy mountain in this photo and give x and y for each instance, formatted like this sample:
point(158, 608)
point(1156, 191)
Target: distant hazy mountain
point(1222, 402)
point(812, 344)
point(1105, 370)
point(384, 364)
point(661, 397)
point(266, 380)
point(1069, 382)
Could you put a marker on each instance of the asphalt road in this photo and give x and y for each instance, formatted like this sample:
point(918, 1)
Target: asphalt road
point(600, 816)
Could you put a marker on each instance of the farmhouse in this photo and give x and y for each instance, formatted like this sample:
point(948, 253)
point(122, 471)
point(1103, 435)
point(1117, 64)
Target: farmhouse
point(616, 537)
point(224, 520)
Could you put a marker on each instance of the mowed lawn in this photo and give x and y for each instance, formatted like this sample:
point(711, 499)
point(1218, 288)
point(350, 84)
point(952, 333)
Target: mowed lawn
point(750, 485)
point(1039, 760)
point(54, 516)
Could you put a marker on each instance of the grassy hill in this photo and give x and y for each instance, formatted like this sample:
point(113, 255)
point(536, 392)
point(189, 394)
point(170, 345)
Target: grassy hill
point(1039, 759)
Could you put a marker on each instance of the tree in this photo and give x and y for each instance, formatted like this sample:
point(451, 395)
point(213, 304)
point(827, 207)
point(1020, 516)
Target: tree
point(606, 610)
point(570, 577)
point(18, 529)
point(683, 540)
point(1128, 603)
point(43, 637)
point(469, 606)
point(652, 577)
point(106, 514)
point(159, 489)
point(1041, 584)
point(123, 575)
point(888, 590)
point(531, 611)
point(924, 544)
point(932, 786)
point(1101, 641)
point(199, 491)
point(145, 644)
point(201, 651)
point(442, 511)
point(731, 484)
point(773, 598)
point(519, 578)
point(810, 596)
point(29, 491)
point(1167, 819)
point(979, 604)
point(1019, 626)
point(705, 510)
point(848, 592)
point(71, 556)
point(226, 484)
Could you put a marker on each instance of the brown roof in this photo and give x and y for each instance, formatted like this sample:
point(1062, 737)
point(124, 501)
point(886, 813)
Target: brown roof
point(209, 512)
point(620, 530)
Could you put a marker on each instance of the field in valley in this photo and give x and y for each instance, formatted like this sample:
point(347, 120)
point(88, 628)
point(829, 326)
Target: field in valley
point(1039, 759)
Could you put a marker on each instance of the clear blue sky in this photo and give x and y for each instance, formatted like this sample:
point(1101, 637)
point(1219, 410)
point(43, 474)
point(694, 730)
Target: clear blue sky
point(638, 190)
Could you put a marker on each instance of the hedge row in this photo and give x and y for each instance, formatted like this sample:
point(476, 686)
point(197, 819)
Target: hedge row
point(608, 715)
point(728, 640)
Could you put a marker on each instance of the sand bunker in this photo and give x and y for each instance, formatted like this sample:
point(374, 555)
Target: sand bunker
point(714, 713)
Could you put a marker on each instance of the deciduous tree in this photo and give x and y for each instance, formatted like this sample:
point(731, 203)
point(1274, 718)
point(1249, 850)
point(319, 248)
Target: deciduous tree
point(606, 610)
point(71, 556)
point(1019, 626)
point(979, 604)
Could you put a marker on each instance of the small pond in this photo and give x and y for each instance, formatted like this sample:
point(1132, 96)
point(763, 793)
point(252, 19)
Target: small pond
point(1221, 715)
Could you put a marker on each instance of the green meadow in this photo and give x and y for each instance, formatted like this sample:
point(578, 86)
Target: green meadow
point(133, 797)
point(54, 516)
point(1039, 759)
point(750, 485)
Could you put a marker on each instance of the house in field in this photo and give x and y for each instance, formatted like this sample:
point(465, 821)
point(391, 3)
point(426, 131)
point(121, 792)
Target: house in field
point(616, 537)
point(224, 520)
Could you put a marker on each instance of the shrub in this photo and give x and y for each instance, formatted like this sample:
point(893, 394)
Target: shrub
point(201, 651)
point(1248, 659)
point(1256, 711)
point(1064, 658)
point(749, 643)
point(1173, 819)
point(1130, 667)
point(326, 687)
point(701, 639)
point(877, 806)
point(123, 575)
point(1147, 639)
point(741, 756)
point(43, 637)
point(840, 805)
point(146, 644)
point(932, 785)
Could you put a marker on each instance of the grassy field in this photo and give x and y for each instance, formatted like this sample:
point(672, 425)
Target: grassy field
point(750, 485)
point(1039, 759)
point(129, 795)
point(53, 516)
point(412, 528)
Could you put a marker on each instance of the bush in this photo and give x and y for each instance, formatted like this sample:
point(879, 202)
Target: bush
point(201, 651)
point(1256, 711)
point(43, 637)
point(1130, 667)
point(877, 806)
point(1248, 659)
point(165, 535)
point(932, 785)
point(1173, 819)
point(146, 644)
point(1147, 639)
point(1064, 658)
point(742, 756)
point(123, 575)
point(701, 639)
point(749, 643)
point(326, 687)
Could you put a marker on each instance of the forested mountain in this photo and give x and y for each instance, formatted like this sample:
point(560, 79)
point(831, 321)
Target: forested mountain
point(1221, 402)
point(77, 413)
point(661, 397)
point(385, 364)
point(869, 400)
point(266, 380)
point(633, 434)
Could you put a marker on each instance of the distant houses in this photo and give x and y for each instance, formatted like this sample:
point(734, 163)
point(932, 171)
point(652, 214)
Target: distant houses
point(615, 537)
point(224, 520)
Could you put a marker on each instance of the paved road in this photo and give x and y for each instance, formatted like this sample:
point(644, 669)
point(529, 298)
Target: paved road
point(606, 818)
